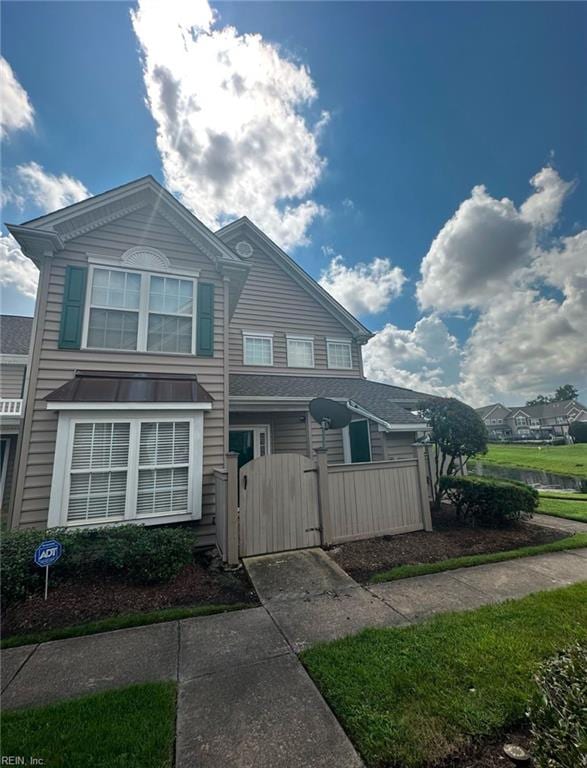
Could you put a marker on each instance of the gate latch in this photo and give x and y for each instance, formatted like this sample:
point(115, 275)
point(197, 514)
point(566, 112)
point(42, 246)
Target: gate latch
point(313, 529)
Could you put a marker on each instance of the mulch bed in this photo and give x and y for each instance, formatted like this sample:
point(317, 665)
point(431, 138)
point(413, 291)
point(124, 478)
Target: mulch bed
point(450, 538)
point(489, 753)
point(68, 604)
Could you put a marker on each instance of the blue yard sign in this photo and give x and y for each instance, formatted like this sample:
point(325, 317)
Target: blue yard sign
point(46, 554)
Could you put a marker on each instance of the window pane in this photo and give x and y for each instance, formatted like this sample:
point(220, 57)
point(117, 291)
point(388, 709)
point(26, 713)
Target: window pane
point(113, 329)
point(100, 446)
point(171, 295)
point(113, 288)
point(300, 353)
point(339, 355)
point(169, 334)
point(165, 442)
point(257, 350)
point(96, 495)
point(162, 491)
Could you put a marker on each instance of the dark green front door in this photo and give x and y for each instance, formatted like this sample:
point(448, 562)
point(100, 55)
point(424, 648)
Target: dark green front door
point(241, 441)
point(360, 442)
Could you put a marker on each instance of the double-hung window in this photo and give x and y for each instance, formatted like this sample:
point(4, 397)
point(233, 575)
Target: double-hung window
point(339, 353)
point(125, 468)
point(140, 311)
point(300, 351)
point(257, 348)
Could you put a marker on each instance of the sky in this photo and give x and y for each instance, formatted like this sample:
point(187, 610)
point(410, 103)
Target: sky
point(426, 162)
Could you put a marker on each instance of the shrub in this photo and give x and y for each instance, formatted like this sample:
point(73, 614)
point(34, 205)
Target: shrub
point(559, 716)
point(130, 552)
point(578, 431)
point(490, 501)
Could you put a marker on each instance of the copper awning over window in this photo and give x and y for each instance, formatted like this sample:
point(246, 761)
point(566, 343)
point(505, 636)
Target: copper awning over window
point(116, 387)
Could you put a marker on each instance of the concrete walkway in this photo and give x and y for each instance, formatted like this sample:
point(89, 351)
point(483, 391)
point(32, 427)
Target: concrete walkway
point(562, 523)
point(244, 698)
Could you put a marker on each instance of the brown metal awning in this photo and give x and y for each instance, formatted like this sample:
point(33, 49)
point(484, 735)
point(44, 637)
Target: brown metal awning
point(116, 387)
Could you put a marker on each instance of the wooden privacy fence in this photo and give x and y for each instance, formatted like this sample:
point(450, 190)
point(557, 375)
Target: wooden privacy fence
point(288, 501)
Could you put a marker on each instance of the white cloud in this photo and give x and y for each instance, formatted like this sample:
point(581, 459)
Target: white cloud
point(486, 242)
point(231, 116)
point(426, 358)
point(362, 288)
point(16, 271)
point(543, 208)
point(16, 110)
point(46, 191)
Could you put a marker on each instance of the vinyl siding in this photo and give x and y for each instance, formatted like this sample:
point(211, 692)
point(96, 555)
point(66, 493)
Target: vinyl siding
point(398, 444)
point(288, 432)
point(11, 381)
point(9, 479)
point(273, 301)
point(56, 366)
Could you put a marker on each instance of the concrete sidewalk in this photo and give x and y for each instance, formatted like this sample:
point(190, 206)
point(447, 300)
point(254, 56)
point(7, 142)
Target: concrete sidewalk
point(562, 523)
point(244, 698)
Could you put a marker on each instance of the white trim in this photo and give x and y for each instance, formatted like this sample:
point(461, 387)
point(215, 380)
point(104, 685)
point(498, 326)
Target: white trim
point(346, 342)
point(4, 467)
point(55, 405)
point(346, 442)
point(263, 334)
point(407, 428)
point(256, 429)
point(6, 359)
point(171, 271)
point(292, 337)
point(62, 464)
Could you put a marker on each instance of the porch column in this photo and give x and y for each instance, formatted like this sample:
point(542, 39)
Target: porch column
point(324, 496)
point(426, 516)
point(232, 532)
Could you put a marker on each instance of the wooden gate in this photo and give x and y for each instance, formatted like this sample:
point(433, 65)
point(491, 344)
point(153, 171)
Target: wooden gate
point(278, 504)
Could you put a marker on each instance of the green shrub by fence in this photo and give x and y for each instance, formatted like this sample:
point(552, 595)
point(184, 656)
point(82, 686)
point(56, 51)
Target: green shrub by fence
point(134, 553)
point(490, 501)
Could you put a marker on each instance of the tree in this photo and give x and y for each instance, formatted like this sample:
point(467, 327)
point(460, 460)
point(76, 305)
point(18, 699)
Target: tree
point(457, 432)
point(578, 431)
point(566, 392)
point(539, 400)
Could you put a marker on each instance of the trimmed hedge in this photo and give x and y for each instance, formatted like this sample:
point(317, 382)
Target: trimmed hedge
point(490, 501)
point(559, 718)
point(578, 431)
point(132, 553)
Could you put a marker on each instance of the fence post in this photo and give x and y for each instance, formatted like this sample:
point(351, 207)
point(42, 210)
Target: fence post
point(426, 517)
point(324, 496)
point(232, 532)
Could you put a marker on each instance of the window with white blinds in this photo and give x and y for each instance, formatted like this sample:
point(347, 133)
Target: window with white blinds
point(164, 455)
point(122, 470)
point(99, 472)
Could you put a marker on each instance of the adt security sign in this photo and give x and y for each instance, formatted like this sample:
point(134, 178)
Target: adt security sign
point(46, 554)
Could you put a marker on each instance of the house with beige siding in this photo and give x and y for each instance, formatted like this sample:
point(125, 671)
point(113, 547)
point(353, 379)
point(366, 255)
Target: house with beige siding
point(159, 346)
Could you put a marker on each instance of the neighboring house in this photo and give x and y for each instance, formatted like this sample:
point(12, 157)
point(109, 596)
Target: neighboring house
point(532, 421)
point(15, 336)
point(160, 345)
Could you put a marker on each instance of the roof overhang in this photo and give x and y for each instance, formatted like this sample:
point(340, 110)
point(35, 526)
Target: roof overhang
point(36, 243)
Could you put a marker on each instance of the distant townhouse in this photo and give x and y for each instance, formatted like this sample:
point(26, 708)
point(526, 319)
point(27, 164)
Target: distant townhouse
point(530, 422)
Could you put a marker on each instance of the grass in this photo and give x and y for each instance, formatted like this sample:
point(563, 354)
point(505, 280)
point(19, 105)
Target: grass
point(572, 510)
point(421, 569)
point(118, 622)
point(415, 695)
point(562, 495)
point(562, 459)
point(127, 728)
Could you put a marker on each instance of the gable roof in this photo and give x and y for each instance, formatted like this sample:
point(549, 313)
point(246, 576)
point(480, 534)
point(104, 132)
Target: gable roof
point(392, 404)
point(15, 334)
point(293, 269)
point(552, 410)
point(487, 410)
point(49, 234)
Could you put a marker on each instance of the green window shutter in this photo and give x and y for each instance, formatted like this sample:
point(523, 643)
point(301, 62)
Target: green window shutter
point(205, 321)
point(72, 311)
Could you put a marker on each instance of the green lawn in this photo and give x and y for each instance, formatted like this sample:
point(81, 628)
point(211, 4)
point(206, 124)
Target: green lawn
point(119, 622)
point(573, 510)
point(562, 459)
point(414, 695)
point(128, 728)
point(577, 541)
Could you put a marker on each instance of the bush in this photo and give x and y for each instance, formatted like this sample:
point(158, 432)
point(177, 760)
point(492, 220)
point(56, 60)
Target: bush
point(490, 501)
point(133, 553)
point(559, 718)
point(578, 431)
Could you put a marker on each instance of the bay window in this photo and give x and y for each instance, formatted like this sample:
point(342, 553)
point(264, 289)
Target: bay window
point(124, 468)
point(139, 311)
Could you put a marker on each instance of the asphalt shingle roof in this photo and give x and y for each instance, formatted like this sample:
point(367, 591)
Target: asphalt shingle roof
point(382, 400)
point(15, 334)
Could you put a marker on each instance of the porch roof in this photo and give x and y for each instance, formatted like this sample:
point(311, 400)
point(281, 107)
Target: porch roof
point(120, 387)
point(392, 404)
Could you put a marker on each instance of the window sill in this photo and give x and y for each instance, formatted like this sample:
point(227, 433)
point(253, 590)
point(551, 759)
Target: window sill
point(150, 520)
point(98, 350)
